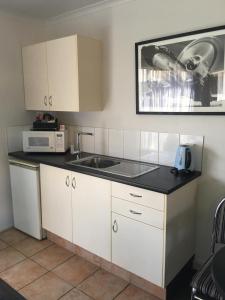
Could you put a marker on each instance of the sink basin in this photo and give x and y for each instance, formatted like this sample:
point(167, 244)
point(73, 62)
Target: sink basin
point(121, 167)
point(95, 162)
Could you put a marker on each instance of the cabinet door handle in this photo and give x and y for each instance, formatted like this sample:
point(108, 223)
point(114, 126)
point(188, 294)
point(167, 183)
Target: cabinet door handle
point(135, 195)
point(67, 181)
point(115, 226)
point(45, 101)
point(135, 212)
point(74, 183)
point(50, 100)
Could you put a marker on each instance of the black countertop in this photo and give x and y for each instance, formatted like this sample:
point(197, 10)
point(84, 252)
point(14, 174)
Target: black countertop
point(160, 180)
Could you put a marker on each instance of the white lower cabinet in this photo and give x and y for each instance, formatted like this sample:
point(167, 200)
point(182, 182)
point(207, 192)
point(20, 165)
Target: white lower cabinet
point(91, 202)
point(56, 201)
point(138, 248)
point(77, 207)
point(144, 232)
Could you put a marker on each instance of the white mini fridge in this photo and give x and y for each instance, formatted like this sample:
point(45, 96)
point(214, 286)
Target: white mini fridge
point(25, 186)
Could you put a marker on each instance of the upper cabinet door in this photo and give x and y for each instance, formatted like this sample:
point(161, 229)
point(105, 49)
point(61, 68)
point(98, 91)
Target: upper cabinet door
point(63, 74)
point(35, 77)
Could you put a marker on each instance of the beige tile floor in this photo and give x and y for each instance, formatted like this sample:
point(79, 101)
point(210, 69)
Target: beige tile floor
point(41, 270)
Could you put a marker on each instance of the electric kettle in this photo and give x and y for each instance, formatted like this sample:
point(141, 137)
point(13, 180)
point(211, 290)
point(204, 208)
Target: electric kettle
point(184, 161)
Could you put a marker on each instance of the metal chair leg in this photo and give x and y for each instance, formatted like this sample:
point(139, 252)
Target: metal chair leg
point(193, 292)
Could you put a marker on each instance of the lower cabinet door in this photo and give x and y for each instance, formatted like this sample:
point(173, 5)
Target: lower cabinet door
point(56, 201)
point(138, 248)
point(91, 202)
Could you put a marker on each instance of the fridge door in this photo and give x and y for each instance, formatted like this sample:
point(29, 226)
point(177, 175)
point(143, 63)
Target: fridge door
point(25, 186)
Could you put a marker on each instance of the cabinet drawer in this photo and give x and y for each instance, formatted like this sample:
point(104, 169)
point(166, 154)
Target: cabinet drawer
point(138, 212)
point(139, 196)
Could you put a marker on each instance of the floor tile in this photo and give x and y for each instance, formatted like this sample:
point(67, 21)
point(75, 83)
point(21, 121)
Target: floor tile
point(3, 245)
point(75, 270)
point(31, 246)
point(134, 293)
point(75, 295)
point(22, 274)
point(9, 257)
point(52, 256)
point(48, 287)
point(12, 236)
point(103, 285)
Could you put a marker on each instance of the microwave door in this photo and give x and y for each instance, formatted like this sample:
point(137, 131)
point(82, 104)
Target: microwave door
point(40, 142)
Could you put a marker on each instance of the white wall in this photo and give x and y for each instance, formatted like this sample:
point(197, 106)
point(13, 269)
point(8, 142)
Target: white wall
point(14, 32)
point(119, 27)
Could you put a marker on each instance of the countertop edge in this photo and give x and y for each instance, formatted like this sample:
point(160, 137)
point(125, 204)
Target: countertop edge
point(106, 177)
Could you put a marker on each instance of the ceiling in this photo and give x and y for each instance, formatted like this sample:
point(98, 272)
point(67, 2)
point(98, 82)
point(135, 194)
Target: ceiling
point(45, 8)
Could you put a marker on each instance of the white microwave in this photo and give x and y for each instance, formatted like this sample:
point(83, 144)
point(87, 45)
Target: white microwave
point(45, 141)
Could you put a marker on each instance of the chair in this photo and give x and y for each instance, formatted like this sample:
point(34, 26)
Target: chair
point(203, 285)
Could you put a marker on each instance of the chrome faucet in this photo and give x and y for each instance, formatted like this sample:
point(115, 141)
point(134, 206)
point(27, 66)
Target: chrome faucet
point(78, 151)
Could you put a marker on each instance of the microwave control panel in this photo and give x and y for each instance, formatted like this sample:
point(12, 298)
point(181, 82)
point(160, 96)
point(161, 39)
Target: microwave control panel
point(59, 142)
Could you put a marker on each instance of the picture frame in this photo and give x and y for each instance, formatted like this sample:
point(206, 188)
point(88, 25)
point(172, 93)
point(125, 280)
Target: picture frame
point(182, 74)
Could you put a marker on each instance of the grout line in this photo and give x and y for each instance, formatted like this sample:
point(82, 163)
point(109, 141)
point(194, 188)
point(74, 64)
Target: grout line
point(50, 271)
point(54, 266)
point(92, 274)
point(122, 290)
point(11, 245)
point(34, 280)
point(65, 294)
point(62, 262)
point(13, 265)
point(74, 288)
point(32, 254)
point(77, 287)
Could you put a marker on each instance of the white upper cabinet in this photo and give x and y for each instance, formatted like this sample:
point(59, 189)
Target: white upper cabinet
point(35, 77)
point(62, 74)
point(70, 72)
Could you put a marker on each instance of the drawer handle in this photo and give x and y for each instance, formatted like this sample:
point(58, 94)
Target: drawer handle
point(45, 100)
point(135, 195)
point(135, 212)
point(115, 226)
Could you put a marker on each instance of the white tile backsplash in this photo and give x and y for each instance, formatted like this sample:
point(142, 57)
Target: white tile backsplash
point(168, 143)
point(198, 142)
point(116, 142)
point(101, 141)
point(73, 130)
point(131, 144)
point(88, 141)
point(146, 146)
point(149, 147)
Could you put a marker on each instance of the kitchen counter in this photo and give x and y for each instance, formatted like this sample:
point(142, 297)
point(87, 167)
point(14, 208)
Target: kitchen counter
point(159, 180)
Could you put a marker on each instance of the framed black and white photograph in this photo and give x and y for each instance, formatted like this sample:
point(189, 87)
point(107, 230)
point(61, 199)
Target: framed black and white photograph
point(182, 74)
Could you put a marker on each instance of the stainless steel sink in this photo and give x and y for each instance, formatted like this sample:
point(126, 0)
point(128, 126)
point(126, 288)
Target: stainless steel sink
point(121, 167)
point(95, 162)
